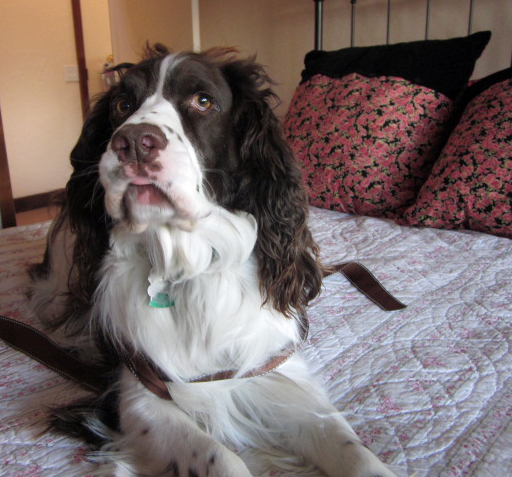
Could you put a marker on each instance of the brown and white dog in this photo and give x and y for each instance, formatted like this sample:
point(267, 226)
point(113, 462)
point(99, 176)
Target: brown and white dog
point(183, 239)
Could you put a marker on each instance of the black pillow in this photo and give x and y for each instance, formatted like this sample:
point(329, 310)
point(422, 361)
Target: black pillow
point(442, 65)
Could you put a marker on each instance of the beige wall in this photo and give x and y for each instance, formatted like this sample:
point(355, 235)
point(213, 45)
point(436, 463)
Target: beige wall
point(137, 22)
point(280, 32)
point(41, 113)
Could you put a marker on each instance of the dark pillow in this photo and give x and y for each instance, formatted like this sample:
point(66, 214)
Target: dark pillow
point(367, 124)
point(442, 65)
point(471, 183)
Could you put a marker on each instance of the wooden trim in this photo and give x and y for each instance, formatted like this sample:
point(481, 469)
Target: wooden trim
point(36, 201)
point(80, 56)
point(6, 201)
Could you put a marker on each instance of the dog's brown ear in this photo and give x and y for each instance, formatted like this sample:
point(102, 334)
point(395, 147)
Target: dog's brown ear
point(84, 203)
point(269, 186)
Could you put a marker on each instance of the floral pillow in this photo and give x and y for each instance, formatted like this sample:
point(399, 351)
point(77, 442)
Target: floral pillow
point(368, 123)
point(471, 183)
point(366, 145)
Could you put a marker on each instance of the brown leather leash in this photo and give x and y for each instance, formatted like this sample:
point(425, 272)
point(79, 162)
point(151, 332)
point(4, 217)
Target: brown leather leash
point(38, 346)
point(368, 285)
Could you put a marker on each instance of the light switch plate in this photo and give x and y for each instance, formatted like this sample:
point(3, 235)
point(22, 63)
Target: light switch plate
point(71, 73)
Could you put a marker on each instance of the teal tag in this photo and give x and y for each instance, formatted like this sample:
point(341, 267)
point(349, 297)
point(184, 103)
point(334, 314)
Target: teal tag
point(161, 300)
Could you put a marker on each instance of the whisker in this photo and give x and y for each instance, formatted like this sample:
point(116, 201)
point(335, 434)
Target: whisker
point(95, 191)
point(86, 172)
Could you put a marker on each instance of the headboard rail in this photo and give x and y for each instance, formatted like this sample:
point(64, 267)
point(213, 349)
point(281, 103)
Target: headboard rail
point(353, 8)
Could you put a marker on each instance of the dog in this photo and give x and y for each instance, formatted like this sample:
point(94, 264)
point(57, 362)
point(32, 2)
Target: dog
point(183, 247)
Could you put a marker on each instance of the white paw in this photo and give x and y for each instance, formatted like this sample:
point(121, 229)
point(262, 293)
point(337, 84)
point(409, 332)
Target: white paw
point(218, 462)
point(361, 462)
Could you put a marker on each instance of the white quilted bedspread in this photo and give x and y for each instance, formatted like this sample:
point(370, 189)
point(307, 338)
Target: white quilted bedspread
point(428, 388)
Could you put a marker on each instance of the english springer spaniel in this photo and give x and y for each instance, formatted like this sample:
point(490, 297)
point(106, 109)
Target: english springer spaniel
point(183, 249)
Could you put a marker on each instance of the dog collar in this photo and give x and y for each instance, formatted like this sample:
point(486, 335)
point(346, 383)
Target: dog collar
point(154, 379)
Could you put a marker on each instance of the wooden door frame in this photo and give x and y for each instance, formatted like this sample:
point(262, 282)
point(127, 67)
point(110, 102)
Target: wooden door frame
point(7, 212)
point(80, 56)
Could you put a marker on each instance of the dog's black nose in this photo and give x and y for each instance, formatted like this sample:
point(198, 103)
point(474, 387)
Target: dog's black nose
point(138, 143)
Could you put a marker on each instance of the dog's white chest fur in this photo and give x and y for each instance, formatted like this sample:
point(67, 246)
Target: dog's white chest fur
point(215, 320)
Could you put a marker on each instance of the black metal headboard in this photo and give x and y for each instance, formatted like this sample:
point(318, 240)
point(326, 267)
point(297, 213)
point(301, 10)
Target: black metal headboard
point(353, 6)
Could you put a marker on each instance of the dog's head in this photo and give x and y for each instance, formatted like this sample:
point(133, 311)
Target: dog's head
point(180, 133)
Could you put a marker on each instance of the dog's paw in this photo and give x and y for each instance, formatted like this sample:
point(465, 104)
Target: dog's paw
point(218, 462)
point(362, 462)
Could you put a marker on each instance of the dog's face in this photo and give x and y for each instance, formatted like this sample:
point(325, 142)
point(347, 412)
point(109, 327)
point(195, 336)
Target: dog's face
point(171, 138)
point(180, 134)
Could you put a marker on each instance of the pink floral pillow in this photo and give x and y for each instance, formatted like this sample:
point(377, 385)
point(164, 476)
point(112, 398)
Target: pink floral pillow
point(471, 184)
point(366, 145)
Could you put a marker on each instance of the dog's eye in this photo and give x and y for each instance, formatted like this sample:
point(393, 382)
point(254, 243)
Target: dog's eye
point(202, 102)
point(123, 106)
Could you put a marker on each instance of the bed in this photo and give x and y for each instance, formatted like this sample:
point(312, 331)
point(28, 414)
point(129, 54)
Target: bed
point(428, 388)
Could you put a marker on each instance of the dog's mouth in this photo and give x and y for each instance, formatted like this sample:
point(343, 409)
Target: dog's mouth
point(142, 191)
point(147, 194)
point(146, 202)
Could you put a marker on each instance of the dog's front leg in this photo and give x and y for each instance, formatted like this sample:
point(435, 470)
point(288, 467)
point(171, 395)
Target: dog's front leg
point(331, 444)
point(159, 439)
point(317, 431)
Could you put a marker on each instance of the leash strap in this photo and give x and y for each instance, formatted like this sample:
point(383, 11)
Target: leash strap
point(38, 346)
point(147, 375)
point(367, 284)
